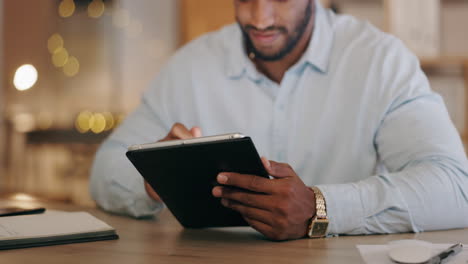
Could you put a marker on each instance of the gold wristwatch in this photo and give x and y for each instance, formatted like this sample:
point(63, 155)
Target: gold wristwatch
point(318, 225)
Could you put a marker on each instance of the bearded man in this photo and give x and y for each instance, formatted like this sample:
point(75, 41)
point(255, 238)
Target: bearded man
point(352, 133)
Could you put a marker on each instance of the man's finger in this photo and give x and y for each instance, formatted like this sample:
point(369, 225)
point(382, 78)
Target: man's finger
point(196, 131)
point(245, 181)
point(249, 212)
point(261, 227)
point(266, 163)
point(179, 131)
point(280, 170)
point(151, 192)
point(257, 200)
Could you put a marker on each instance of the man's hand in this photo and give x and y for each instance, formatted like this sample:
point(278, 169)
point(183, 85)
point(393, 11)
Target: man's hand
point(279, 208)
point(178, 131)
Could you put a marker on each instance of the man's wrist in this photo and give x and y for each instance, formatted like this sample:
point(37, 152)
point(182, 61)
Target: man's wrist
point(318, 224)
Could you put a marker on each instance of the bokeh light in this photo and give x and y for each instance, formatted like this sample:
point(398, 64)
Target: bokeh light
point(109, 121)
point(71, 67)
point(54, 43)
point(66, 8)
point(83, 121)
point(25, 77)
point(96, 8)
point(99, 123)
point(23, 122)
point(60, 57)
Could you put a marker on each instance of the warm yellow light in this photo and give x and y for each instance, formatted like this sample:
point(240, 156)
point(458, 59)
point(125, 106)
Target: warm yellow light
point(96, 8)
point(60, 57)
point(109, 121)
point(121, 18)
point(66, 8)
point(25, 77)
point(72, 67)
point(99, 123)
point(22, 197)
point(54, 43)
point(84, 121)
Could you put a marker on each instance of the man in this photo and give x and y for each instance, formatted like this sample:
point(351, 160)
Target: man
point(339, 106)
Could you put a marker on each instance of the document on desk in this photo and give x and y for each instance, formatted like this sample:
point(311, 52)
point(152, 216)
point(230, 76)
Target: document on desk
point(52, 228)
point(379, 253)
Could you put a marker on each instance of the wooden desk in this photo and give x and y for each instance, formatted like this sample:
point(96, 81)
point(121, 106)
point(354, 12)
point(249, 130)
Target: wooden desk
point(163, 240)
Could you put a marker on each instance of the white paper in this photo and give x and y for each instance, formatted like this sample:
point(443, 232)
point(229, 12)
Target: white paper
point(50, 223)
point(379, 253)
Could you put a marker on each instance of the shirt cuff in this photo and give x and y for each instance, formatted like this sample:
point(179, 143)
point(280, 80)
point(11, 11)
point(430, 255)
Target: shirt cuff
point(144, 206)
point(344, 208)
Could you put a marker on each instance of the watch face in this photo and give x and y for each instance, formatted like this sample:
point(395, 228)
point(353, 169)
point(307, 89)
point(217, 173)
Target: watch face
point(319, 228)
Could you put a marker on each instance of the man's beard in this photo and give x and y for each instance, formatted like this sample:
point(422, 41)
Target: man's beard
point(291, 41)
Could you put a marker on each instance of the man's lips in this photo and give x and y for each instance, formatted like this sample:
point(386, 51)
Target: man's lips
point(264, 38)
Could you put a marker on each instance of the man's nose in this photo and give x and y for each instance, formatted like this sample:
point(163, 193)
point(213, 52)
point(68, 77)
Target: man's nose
point(263, 14)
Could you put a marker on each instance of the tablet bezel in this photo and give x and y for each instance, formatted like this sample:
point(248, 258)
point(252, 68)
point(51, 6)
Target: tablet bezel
point(207, 139)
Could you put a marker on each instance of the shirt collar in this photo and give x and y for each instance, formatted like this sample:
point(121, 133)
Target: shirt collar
point(319, 50)
point(317, 53)
point(237, 62)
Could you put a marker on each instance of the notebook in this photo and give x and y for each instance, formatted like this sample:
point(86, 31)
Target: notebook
point(52, 228)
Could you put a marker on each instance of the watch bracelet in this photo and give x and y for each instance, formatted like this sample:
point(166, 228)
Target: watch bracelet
point(320, 205)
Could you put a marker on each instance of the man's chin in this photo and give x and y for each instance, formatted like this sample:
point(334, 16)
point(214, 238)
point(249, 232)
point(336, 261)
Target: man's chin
point(268, 56)
point(269, 50)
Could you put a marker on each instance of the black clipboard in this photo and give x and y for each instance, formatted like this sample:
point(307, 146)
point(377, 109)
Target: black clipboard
point(183, 175)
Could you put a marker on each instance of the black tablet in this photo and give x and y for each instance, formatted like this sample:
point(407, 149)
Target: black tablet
point(183, 173)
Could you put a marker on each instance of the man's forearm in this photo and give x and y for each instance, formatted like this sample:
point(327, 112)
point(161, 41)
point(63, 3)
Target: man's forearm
point(116, 186)
point(430, 195)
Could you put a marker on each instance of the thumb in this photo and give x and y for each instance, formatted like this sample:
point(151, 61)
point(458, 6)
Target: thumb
point(280, 170)
point(266, 162)
point(196, 131)
point(151, 192)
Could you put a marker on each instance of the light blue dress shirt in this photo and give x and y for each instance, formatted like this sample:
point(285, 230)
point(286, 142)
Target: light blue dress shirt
point(354, 116)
